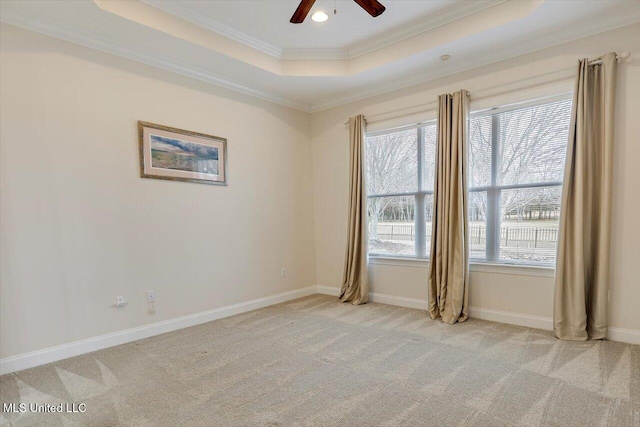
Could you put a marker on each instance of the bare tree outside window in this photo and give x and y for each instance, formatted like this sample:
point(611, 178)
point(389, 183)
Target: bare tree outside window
point(516, 170)
point(480, 152)
point(400, 178)
point(392, 166)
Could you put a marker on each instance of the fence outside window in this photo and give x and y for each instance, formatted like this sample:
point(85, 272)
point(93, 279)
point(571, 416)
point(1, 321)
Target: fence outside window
point(516, 168)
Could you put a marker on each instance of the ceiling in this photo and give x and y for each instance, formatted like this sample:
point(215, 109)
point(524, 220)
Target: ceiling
point(313, 66)
point(268, 21)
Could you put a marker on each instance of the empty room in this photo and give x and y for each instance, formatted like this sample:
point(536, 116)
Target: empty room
point(350, 213)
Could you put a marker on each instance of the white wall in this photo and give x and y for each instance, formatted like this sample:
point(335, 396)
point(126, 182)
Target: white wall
point(497, 84)
point(79, 226)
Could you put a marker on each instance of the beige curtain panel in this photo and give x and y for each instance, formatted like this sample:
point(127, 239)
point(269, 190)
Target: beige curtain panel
point(449, 258)
point(582, 266)
point(355, 284)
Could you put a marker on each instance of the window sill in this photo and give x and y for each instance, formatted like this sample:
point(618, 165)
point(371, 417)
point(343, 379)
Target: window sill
point(476, 267)
point(398, 261)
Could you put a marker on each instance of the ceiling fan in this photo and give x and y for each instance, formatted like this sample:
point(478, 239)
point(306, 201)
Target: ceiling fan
point(373, 8)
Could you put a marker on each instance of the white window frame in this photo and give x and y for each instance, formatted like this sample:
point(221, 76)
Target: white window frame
point(493, 209)
point(494, 190)
point(420, 196)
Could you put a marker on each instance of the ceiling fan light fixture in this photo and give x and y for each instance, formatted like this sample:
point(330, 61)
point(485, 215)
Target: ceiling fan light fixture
point(319, 16)
point(372, 7)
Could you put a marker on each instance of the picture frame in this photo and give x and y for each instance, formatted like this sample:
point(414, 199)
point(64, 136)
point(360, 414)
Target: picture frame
point(181, 155)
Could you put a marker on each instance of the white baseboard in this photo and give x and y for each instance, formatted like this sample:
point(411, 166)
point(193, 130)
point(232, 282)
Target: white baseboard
point(518, 319)
point(63, 351)
point(381, 298)
point(328, 290)
point(527, 320)
point(419, 304)
point(52, 354)
point(615, 334)
point(624, 335)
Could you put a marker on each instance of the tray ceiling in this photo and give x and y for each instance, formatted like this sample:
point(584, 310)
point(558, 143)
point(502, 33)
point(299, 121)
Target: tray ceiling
point(347, 34)
point(313, 66)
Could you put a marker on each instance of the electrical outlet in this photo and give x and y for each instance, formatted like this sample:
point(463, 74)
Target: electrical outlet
point(120, 301)
point(283, 272)
point(151, 296)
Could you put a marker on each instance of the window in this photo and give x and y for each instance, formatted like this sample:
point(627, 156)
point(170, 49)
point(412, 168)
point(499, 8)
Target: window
point(400, 172)
point(516, 167)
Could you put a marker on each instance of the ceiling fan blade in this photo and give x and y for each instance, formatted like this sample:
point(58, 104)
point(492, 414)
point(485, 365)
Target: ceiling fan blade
point(301, 12)
point(373, 7)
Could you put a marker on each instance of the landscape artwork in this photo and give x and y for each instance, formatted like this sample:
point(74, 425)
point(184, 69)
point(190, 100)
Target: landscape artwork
point(170, 153)
point(180, 155)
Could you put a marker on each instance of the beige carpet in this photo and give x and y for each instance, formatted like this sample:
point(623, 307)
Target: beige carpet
point(318, 362)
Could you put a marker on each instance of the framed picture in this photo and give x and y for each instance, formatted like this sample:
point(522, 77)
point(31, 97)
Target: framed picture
point(181, 155)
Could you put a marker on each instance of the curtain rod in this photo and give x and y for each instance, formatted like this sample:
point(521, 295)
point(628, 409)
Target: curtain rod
point(427, 104)
point(620, 58)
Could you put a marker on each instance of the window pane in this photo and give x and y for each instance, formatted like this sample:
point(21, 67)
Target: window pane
point(392, 225)
point(428, 222)
point(392, 162)
point(529, 224)
point(429, 167)
point(533, 143)
point(480, 151)
point(478, 224)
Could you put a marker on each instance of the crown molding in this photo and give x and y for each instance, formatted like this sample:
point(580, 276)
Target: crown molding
point(530, 46)
point(122, 50)
point(450, 14)
point(187, 13)
point(315, 54)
